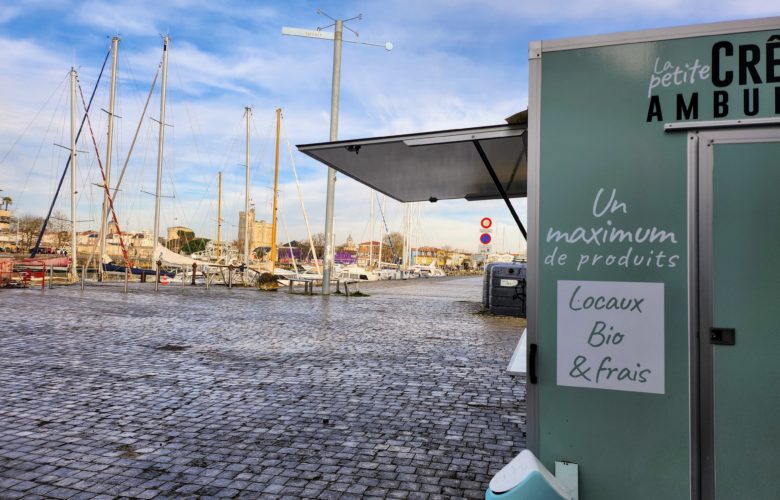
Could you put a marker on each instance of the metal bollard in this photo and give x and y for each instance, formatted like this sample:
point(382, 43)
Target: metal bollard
point(230, 276)
point(127, 277)
point(51, 277)
point(194, 270)
point(83, 277)
point(157, 277)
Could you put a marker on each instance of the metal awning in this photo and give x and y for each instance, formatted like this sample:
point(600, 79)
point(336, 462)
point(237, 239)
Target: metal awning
point(479, 163)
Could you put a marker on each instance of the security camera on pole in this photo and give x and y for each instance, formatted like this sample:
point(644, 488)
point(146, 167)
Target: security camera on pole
point(337, 37)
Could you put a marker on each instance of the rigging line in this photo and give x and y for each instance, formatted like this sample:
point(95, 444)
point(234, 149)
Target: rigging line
point(287, 236)
point(169, 166)
point(233, 140)
point(105, 186)
point(176, 199)
point(258, 169)
point(195, 134)
point(56, 129)
point(261, 150)
point(22, 134)
point(126, 62)
point(387, 232)
point(228, 152)
point(40, 148)
point(300, 196)
point(205, 192)
point(67, 162)
point(137, 131)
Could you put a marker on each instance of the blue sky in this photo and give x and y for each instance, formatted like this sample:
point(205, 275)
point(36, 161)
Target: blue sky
point(456, 63)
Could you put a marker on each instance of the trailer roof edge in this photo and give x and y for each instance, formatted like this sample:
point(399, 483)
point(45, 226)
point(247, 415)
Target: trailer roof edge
point(651, 35)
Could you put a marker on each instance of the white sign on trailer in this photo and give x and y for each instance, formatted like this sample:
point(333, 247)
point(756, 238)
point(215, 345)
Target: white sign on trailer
point(611, 335)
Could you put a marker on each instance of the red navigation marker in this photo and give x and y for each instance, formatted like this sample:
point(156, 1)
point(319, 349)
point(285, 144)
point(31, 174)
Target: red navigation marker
point(486, 222)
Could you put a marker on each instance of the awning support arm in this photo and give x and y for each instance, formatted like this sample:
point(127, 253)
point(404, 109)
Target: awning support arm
point(500, 188)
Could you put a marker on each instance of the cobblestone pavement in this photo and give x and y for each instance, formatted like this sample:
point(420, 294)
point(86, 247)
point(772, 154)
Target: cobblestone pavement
point(240, 393)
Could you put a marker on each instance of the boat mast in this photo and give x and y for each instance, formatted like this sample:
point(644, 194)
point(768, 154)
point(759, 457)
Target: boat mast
point(109, 146)
point(405, 254)
point(160, 141)
point(381, 230)
point(276, 188)
point(74, 276)
point(248, 114)
point(371, 237)
point(219, 213)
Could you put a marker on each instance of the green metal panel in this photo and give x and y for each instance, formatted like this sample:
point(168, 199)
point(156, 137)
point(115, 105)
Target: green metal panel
point(601, 129)
point(746, 294)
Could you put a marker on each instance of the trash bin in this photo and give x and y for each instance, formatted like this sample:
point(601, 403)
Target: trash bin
point(525, 478)
point(486, 285)
point(507, 295)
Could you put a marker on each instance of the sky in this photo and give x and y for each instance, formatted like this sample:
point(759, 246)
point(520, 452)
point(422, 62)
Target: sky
point(455, 63)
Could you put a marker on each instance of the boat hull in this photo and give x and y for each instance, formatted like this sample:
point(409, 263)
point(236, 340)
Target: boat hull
point(136, 271)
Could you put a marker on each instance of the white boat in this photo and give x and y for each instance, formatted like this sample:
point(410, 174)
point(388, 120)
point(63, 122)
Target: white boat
point(429, 271)
point(357, 273)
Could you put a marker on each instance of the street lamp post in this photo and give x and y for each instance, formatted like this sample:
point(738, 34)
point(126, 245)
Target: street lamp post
point(337, 37)
point(334, 132)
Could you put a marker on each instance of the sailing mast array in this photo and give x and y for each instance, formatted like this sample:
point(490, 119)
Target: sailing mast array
point(247, 235)
point(276, 189)
point(108, 205)
point(109, 147)
point(74, 276)
point(160, 143)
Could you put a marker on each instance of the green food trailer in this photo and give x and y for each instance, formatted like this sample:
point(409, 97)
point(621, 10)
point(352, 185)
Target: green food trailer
point(651, 165)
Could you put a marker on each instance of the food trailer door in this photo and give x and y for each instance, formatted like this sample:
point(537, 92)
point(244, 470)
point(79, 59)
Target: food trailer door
point(739, 302)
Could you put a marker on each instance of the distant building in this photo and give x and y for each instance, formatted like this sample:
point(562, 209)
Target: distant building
point(425, 256)
point(173, 232)
point(458, 259)
point(138, 244)
point(349, 246)
point(365, 251)
point(441, 258)
point(87, 238)
point(5, 220)
point(142, 239)
point(259, 232)
point(173, 242)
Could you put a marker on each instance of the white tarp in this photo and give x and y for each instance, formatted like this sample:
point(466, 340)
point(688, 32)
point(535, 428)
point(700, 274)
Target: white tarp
point(170, 258)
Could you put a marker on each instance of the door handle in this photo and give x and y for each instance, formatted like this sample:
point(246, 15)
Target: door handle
point(532, 353)
point(723, 336)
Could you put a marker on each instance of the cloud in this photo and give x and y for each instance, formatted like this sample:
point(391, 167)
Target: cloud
point(8, 13)
point(456, 63)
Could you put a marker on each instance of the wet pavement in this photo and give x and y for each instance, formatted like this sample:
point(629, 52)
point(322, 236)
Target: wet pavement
point(241, 393)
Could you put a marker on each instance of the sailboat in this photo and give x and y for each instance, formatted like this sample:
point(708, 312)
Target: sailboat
point(106, 264)
point(70, 262)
